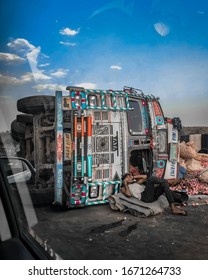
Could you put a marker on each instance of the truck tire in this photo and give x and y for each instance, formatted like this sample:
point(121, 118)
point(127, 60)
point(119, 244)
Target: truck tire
point(36, 104)
point(17, 130)
point(25, 118)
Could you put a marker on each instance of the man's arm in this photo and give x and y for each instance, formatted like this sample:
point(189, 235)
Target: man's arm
point(140, 178)
point(126, 191)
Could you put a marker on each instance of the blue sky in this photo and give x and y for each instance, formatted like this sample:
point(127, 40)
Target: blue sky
point(159, 46)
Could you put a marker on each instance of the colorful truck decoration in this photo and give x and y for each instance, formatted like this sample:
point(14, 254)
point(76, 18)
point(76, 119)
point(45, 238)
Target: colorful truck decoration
point(93, 137)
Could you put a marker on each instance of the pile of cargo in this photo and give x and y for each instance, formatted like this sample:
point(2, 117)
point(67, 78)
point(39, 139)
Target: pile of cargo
point(196, 164)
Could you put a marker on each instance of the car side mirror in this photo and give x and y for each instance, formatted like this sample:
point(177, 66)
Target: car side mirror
point(19, 170)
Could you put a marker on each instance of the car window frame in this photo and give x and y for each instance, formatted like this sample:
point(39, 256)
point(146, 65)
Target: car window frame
point(18, 233)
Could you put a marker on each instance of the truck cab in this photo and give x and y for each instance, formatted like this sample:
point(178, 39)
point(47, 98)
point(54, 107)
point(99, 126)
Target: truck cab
point(110, 132)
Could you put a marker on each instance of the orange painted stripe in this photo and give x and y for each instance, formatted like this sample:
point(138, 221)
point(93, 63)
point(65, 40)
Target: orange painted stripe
point(82, 124)
point(89, 126)
point(75, 126)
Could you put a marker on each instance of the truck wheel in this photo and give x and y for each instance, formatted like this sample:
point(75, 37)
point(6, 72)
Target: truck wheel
point(25, 118)
point(17, 130)
point(36, 104)
point(42, 197)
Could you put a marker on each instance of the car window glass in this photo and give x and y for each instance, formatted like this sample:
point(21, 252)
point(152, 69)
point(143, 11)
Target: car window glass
point(25, 214)
point(7, 167)
point(5, 233)
point(16, 166)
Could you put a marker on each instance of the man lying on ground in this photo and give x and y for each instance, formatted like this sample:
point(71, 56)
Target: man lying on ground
point(148, 190)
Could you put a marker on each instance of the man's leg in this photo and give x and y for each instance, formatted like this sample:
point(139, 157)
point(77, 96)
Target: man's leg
point(164, 188)
point(154, 188)
point(148, 195)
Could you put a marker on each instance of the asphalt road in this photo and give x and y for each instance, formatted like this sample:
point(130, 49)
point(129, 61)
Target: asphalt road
point(97, 232)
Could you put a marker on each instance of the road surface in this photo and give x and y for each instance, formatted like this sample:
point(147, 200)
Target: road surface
point(97, 232)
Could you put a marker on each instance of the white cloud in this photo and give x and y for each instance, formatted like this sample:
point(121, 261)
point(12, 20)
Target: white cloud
point(10, 57)
point(68, 44)
point(32, 57)
point(69, 32)
point(14, 81)
point(44, 64)
point(27, 78)
point(116, 67)
point(87, 85)
point(20, 44)
point(6, 80)
point(40, 76)
point(32, 53)
point(35, 76)
point(60, 73)
point(9, 80)
point(51, 87)
point(44, 55)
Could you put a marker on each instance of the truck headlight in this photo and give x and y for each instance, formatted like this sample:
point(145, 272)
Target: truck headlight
point(92, 100)
point(93, 191)
point(109, 190)
point(77, 193)
point(77, 100)
point(162, 141)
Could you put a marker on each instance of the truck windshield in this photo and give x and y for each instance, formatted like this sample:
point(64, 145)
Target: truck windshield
point(135, 118)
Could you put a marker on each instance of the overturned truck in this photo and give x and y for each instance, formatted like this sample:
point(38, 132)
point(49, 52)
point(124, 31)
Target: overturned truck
point(82, 141)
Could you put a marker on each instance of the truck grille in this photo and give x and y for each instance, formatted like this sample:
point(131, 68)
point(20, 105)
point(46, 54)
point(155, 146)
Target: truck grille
point(102, 174)
point(101, 115)
point(102, 144)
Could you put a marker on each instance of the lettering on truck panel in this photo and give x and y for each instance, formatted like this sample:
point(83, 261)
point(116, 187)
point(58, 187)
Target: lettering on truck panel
point(67, 146)
point(174, 136)
point(59, 119)
point(66, 103)
point(172, 169)
point(59, 147)
point(59, 183)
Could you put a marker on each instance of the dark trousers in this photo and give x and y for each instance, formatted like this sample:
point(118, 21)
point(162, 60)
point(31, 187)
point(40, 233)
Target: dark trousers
point(155, 188)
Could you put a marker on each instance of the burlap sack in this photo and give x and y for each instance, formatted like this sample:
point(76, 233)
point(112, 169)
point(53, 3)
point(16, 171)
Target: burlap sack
point(188, 151)
point(194, 165)
point(203, 177)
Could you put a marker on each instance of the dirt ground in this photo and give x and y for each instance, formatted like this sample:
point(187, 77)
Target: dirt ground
point(97, 232)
